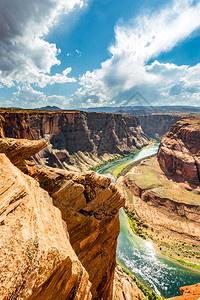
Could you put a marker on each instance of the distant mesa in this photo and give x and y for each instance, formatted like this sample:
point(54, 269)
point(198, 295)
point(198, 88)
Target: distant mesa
point(48, 107)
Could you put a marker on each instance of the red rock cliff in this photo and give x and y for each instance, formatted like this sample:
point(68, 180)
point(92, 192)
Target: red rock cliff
point(190, 292)
point(158, 124)
point(78, 139)
point(179, 152)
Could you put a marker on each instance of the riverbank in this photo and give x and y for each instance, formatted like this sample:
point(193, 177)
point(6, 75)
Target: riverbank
point(162, 211)
point(122, 161)
point(140, 290)
point(156, 271)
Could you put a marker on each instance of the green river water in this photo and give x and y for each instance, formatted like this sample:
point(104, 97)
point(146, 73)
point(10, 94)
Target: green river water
point(159, 273)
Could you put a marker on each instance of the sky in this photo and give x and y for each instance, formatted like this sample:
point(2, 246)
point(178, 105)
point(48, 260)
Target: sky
point(94, 53)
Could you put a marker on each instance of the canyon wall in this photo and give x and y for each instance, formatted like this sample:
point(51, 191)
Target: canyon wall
point(59, 229)
point(158, 124)
point(179, 152)
point(78, 140)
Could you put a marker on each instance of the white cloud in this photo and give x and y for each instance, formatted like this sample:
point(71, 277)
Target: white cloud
point(135, 44)
point(25, 56)
point(27, 97)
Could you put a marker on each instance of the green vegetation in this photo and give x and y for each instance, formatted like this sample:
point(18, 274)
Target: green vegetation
point(118, 158)
point(103, 164)
point(183, 261)
point(149, 294)
point(136, 224)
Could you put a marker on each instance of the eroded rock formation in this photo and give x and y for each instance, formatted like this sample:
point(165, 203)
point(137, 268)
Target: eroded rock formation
point(190, 292)
point(89, 204)
point(37, 260)
point(78, 140)
point(44, 255)
point(179, 152)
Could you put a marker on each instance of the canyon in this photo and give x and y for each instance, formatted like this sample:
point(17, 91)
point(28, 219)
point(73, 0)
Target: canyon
point(163, 207)
point(78, 140)
point(40, 154)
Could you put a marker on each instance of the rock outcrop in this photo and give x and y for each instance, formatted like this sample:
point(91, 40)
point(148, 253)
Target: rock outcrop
point(19, 150)
point(158, 124)
point(37, 260)
point(78, 140)
point(179, 152)
point(190, 292)
point(125, 288)
point(90, 206)
point(44, 255)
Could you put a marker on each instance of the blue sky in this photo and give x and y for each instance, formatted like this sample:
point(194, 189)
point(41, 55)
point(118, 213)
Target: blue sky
point(76, 53)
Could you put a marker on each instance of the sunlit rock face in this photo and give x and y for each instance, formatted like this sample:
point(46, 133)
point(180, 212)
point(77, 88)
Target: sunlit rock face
point(190, 292)
point(78, 140)
point(37, 259)
point(44, 255)
point(125, 287)
point(90, 206)
point(179, 152)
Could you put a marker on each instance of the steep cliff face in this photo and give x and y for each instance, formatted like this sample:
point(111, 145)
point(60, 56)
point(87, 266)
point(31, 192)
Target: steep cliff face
point(45, 256)
point(159, 124)
point(165, 211)
point(37, 260)
point(78, 139)
point(179, 152)
point(90, 205)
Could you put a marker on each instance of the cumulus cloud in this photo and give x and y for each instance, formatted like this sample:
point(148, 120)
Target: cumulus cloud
point(26, 96)
point(25, 56)
point(127, 70)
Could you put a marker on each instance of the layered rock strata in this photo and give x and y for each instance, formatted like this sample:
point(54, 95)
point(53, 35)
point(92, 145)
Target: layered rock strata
point(179, 152)
point(190, 292)
point(90, 206)
point(37, 259)
point(44, 255)
point(158, 124)
point(78, 140)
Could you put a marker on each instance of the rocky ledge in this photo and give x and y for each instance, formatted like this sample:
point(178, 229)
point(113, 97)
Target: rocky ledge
point(59, 229)
point(179, 152)
point(190, 292)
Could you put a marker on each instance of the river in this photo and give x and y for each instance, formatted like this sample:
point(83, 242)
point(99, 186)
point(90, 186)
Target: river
point(159, 273)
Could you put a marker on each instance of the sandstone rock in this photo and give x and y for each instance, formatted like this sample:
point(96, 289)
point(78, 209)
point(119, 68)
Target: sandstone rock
point(37, 260)
point(19, 150)
point(76, 137)
point(125, 288)
point(158, 124)
point(90, 206)
point(190, 292)
point(179, 152)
